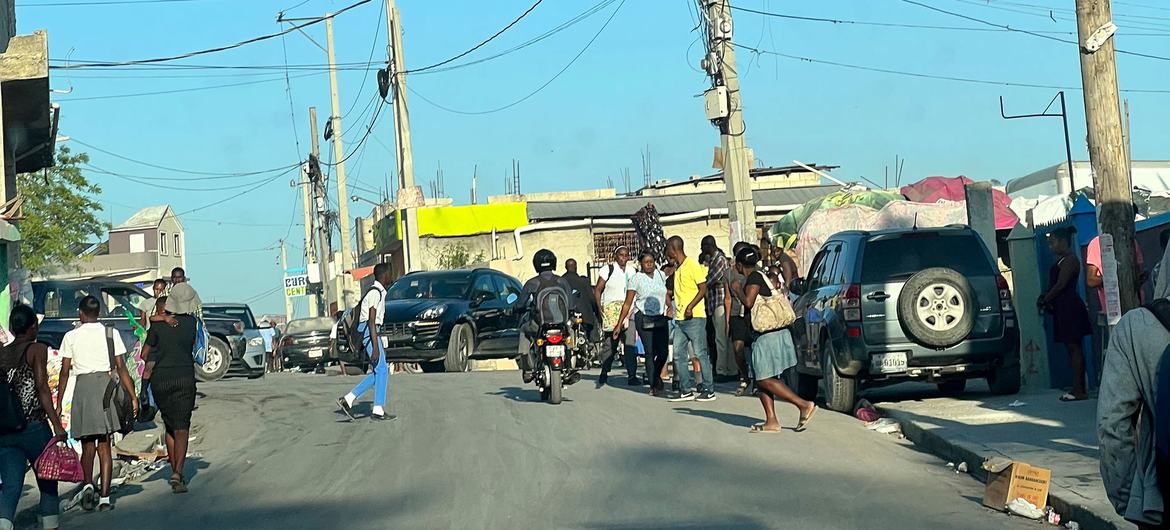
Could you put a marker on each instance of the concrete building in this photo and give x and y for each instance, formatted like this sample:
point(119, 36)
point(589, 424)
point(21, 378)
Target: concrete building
point(1153, 175)
point(144, 247)
point(584, 225)
point(27, 129)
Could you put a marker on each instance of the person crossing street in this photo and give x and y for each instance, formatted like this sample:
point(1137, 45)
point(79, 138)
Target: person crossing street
point(371, 312)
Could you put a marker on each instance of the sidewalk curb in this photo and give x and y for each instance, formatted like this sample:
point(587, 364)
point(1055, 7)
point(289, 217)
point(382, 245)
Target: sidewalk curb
point(1066, 503)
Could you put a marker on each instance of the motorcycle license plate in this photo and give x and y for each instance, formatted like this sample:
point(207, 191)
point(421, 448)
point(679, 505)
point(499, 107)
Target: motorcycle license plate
point(554, 351)
point(890, 363)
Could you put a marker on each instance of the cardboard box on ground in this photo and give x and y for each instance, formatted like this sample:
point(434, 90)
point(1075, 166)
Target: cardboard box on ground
point(1008, 480)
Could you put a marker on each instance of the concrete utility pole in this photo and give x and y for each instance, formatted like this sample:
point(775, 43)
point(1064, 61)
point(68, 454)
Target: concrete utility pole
point(397, 67)
point(724, 99)
point(288, 309)
point(306, 185)
point(324, 252)
point(1107, 154)
point(344, 283)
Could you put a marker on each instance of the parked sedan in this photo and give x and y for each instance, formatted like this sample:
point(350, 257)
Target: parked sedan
point(306, 343)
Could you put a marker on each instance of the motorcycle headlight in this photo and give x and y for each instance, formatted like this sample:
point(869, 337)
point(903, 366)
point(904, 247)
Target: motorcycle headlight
point(432, 313)
point(257, 341)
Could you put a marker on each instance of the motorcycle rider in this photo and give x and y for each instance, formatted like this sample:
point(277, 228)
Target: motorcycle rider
point(545, 263)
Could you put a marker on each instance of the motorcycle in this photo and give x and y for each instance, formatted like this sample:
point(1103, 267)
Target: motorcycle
point(552, 348)
point(584, 349)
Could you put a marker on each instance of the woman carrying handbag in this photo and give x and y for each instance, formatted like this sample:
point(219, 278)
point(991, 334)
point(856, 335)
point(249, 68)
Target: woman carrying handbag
point(767, 309)
point(23, 368)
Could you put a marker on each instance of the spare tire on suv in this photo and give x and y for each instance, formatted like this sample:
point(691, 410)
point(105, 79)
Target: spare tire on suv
point(936, 307)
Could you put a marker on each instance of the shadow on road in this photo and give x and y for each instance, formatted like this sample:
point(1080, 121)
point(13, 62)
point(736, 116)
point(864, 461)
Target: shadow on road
point(737, 420)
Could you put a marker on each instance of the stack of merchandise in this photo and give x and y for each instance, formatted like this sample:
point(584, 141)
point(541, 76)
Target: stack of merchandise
point(649, 230)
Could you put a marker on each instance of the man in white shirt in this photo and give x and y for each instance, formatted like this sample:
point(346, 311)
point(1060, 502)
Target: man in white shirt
point(372, 310)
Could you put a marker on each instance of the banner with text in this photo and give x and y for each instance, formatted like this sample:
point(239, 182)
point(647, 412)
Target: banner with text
point(296, 285)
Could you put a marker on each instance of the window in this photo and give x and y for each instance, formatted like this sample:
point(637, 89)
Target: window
point(505, 287)
point(178, 246)
point(483, 286)
point(162, 243)
point(605, 243)
point(902, 257)
point(826, 275)
point(137, 243)
point(817, 269)
point(62, 302)
point(119, 300)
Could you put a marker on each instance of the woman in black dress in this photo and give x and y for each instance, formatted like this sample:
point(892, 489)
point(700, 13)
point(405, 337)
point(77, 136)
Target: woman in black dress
point(170, 374)
point(1070, 317)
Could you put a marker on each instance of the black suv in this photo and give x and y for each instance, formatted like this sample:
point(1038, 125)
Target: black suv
point(903, 305)
point(444, 318)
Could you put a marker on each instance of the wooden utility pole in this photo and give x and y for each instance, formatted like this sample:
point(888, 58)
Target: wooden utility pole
point(306, 185)
point(397, 67)
point(720, 65)
point(1107, 154)
point(288, 308)
point(324, 252)
point(344, 283)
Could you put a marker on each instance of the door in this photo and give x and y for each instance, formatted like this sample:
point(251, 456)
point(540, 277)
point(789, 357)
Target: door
point(509, 320)
point(810, 308)
point(487, 311)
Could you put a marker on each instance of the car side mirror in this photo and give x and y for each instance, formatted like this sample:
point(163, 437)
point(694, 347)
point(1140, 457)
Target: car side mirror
point(798, 286)
point(511, 298)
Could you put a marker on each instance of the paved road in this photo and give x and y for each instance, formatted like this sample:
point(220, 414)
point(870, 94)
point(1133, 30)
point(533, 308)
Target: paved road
point(479, 451)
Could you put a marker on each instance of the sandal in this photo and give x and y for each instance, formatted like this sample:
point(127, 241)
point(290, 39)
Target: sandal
point(743, 388)
point(178, 485)
point(803, 424)
point(105, 505)
point(88, 498)
point(759, 429)
point(1069, 396)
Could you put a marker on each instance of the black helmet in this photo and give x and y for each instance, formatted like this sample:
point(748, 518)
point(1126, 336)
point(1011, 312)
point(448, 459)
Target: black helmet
point(544, 260)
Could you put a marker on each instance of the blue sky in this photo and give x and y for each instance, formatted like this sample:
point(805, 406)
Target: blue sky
point(636, 85)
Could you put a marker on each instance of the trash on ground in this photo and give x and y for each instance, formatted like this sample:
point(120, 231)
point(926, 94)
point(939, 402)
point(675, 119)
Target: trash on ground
point(884, 426)
point(1072, 525)
point(961, 468)
point(866, 412)
point(1024, 508)
point(1008, 481)
point(1051, 516)
point(1017, 403)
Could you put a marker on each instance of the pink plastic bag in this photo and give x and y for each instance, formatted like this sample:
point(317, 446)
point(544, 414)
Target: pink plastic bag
point(59, 462)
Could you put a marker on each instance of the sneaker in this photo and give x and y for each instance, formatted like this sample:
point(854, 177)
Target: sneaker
point(341, 402)
point(685, 396)
point(706, 396)
point(383, 417)
point(602, 380)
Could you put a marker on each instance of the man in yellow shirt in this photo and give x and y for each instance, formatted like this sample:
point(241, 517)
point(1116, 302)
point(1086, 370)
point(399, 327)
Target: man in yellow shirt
point(690, 287)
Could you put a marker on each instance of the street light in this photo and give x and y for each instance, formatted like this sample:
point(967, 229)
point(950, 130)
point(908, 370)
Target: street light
point(355, 198)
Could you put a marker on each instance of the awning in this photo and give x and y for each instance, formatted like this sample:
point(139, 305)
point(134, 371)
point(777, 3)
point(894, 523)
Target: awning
point(360, 272)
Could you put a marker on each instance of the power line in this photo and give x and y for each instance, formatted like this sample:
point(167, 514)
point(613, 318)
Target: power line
point(188, 171)
point(557, 29)
point(362, 141)
point(538, 89)
point(932, 76)
point(481, 44)
point(181, 90)
point(879, 24)
point(1027, 32)
point(217, 49)
point(236, 196)
point(146, 182)
point(370, 60)
point(288, 92)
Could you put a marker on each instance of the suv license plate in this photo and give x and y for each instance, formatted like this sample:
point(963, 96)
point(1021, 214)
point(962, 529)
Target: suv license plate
point(890, 363)
point(554, 351)
point(316, 353)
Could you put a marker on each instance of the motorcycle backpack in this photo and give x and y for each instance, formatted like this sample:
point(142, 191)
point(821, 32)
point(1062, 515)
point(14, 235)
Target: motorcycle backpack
point(552, 302)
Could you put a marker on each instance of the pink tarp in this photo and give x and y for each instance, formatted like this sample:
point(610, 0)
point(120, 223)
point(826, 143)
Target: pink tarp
point(933, 189)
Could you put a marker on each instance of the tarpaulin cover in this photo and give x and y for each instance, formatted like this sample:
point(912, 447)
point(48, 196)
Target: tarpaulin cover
point(785, 229)
point(934, 189)
point(822, 224)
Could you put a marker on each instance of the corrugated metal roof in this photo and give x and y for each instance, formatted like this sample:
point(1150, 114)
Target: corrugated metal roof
point(668, 204)
point(149, 217)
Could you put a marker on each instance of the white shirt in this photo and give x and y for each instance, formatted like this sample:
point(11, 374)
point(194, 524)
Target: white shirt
point(86, 346)
point(617, 282)
point(649, 293)
point(375, 298)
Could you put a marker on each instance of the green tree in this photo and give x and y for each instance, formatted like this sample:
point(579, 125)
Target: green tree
point(60, 210)
point(456, 256)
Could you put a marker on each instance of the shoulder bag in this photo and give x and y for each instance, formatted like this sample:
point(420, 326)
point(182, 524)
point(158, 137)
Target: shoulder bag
point(116, 396)
point(12, 419)
point(771, 312)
